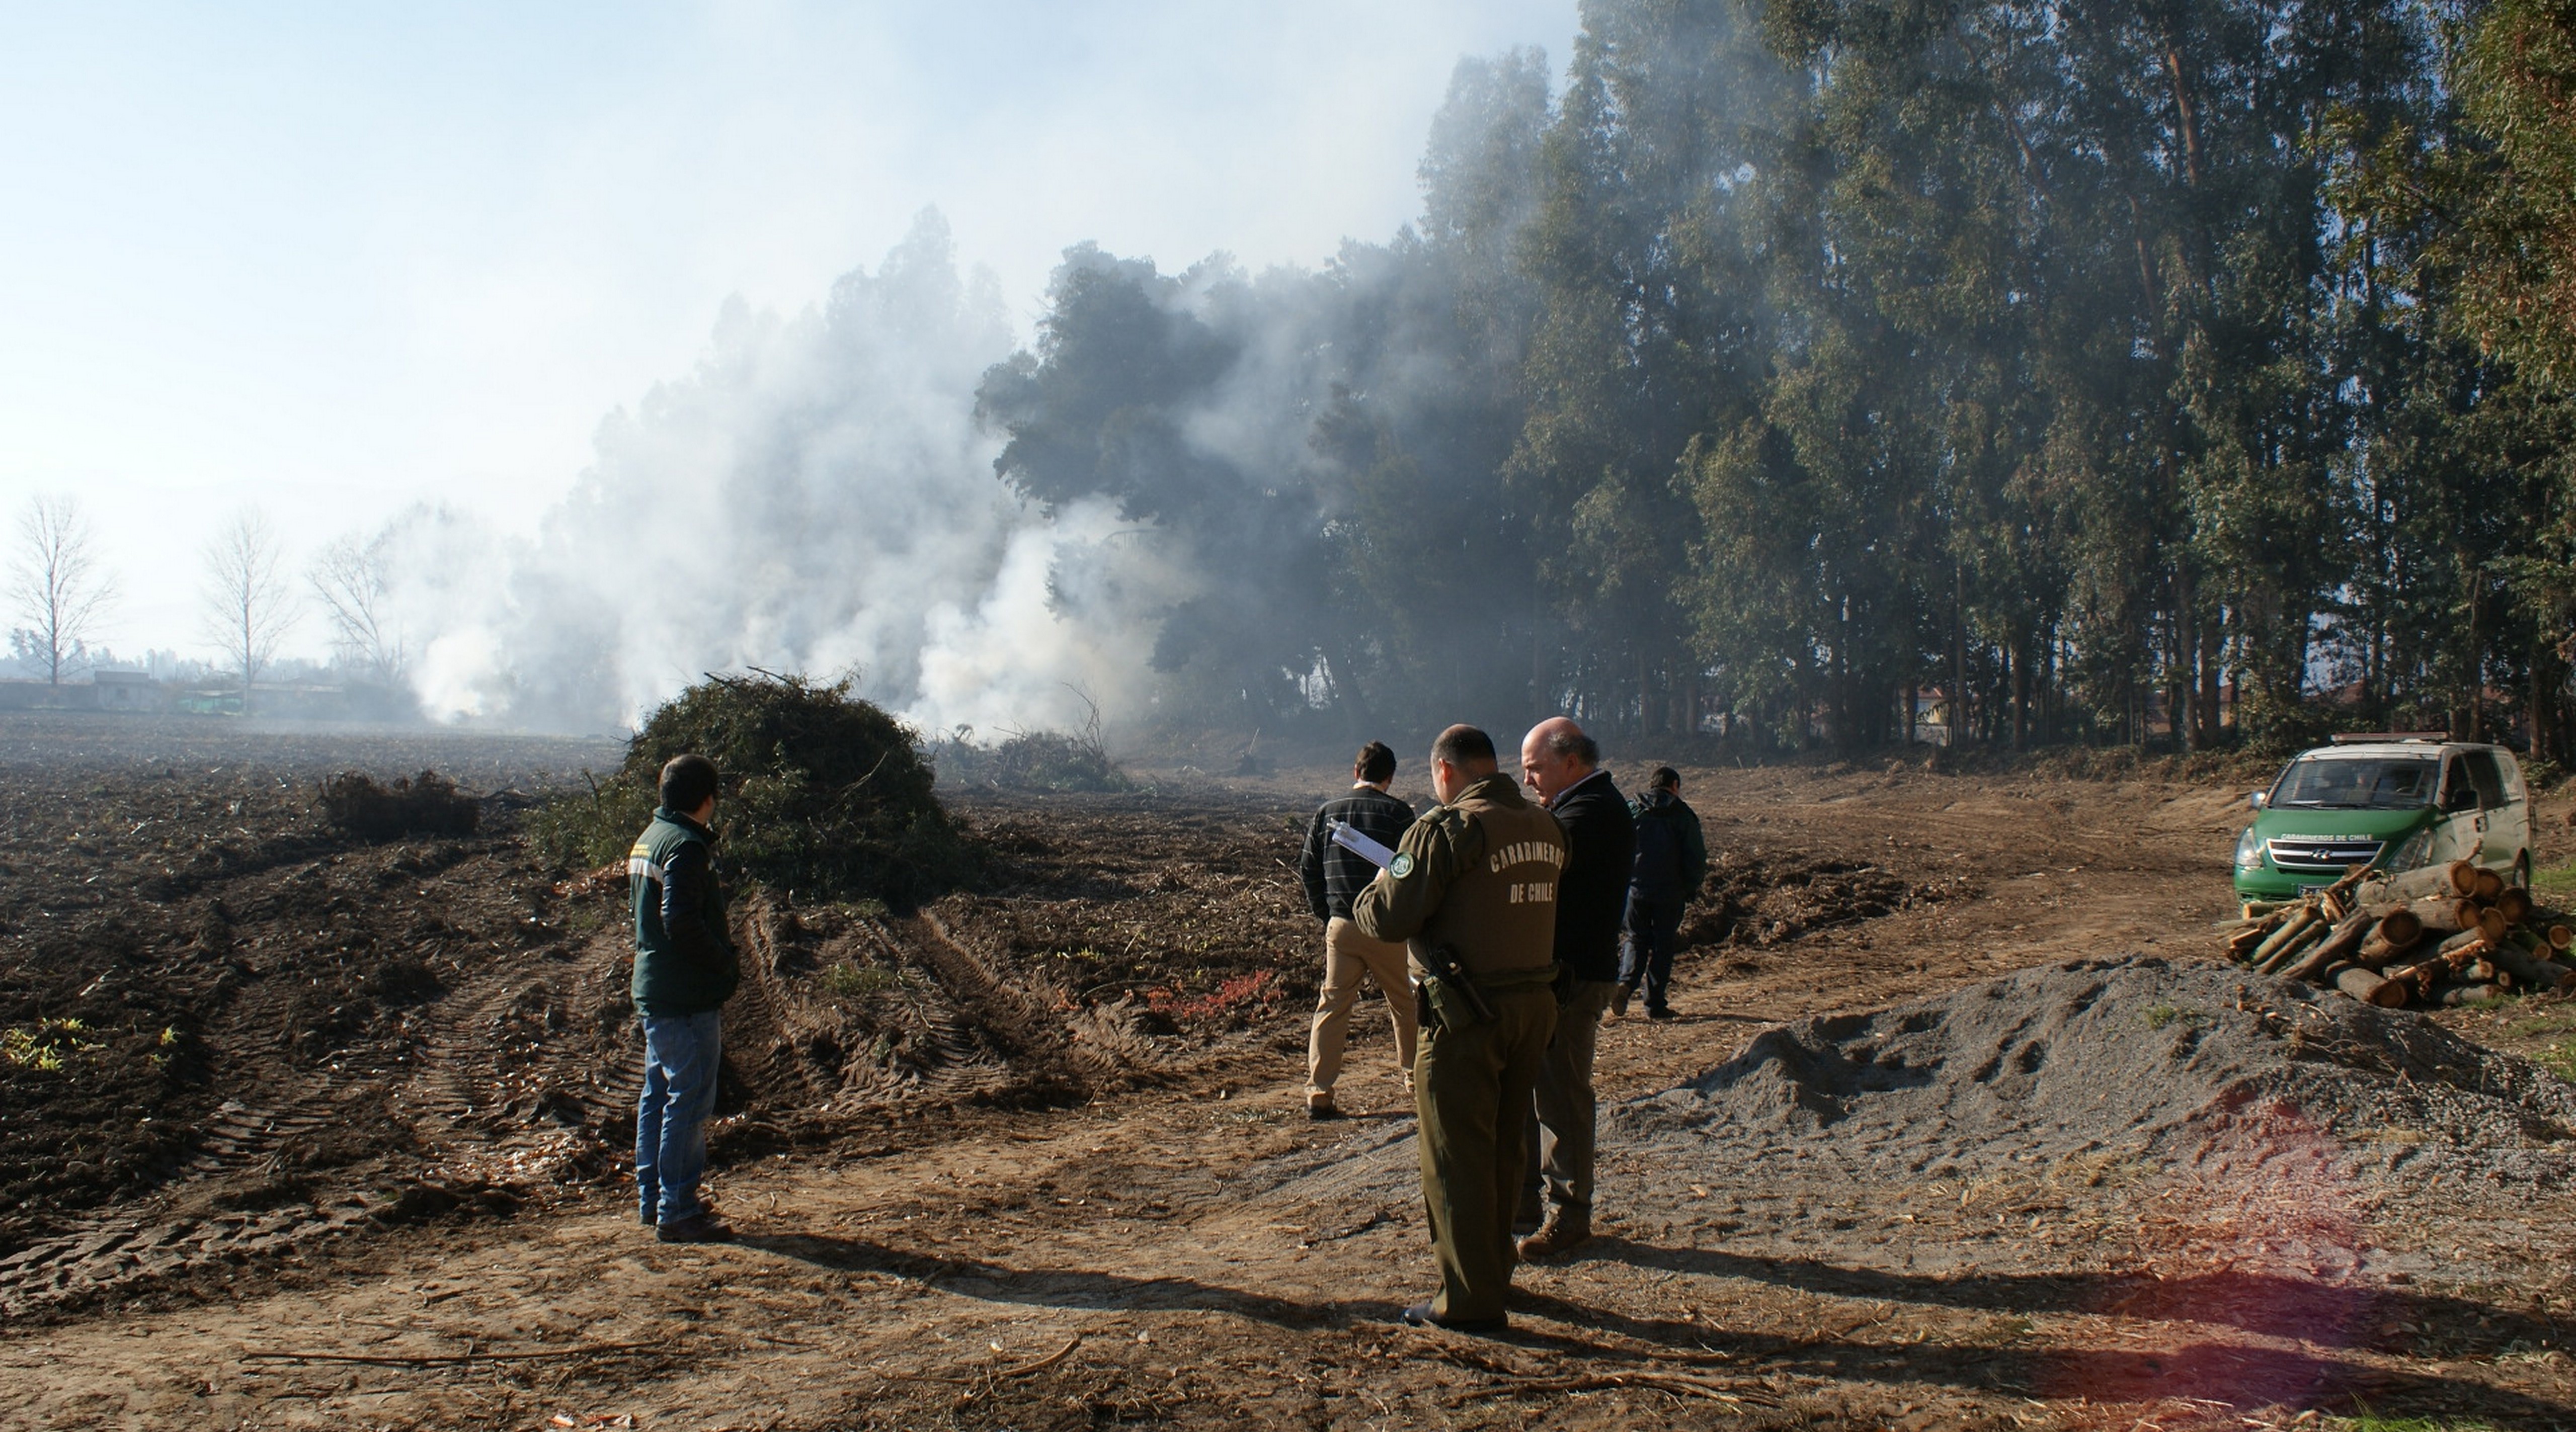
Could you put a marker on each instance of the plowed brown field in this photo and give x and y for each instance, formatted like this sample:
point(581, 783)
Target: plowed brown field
point(337, 1140)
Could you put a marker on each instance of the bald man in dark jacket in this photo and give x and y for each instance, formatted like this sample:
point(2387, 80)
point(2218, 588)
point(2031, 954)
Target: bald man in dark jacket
point(1563, 767)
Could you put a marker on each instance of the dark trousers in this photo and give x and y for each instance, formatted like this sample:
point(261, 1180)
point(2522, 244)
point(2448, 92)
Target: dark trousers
point(1562, 1124)
point(1654, 926)
point(1471, 1090)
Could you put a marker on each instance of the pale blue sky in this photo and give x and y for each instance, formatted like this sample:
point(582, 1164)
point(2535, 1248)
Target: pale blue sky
point(339, 258)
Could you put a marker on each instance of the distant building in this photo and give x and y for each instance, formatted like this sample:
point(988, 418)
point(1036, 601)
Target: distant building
point(22, 695)
point(127, 691)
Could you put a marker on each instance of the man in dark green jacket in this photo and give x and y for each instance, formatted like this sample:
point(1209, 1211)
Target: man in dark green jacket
point(685, 969)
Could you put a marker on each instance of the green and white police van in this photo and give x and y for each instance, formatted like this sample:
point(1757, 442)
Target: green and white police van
point(2396, 802)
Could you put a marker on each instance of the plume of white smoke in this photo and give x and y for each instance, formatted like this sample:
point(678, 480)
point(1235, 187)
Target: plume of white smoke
point(814, 498)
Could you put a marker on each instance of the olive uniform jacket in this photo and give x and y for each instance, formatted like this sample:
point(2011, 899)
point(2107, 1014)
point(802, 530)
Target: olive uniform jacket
point(1477, 875)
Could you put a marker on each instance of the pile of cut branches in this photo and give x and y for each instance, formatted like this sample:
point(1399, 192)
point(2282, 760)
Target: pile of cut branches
point(824, 793)
point(1033, 761)
point(426, 804)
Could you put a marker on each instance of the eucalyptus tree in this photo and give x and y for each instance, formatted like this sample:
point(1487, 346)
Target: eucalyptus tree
point(1432, 563)
point(1651, 331)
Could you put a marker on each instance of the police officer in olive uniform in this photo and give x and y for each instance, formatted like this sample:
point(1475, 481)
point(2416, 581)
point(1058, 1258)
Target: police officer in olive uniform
point(1472, 891)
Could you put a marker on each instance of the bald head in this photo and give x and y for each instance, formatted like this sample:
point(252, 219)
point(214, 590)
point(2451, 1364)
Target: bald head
point(1556, 754)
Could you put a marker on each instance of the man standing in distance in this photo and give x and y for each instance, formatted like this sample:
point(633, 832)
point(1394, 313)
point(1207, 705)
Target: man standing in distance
point(1672, 859)
point(1563, 768)
point(1333, 877)
point(1472, 888)
point(685, 969)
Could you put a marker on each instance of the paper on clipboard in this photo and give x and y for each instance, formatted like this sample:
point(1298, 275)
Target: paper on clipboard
point(1349, 838)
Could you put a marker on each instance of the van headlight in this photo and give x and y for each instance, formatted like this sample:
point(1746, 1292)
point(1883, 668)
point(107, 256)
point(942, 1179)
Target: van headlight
point(2249, 851)
point(2412, 855)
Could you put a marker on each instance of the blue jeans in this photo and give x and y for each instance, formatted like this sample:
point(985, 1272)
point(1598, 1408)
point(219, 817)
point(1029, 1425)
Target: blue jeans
point(1653, 928)
point(680, 1057)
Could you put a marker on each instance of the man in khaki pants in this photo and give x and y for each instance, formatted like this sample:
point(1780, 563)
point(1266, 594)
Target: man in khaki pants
point(1333, 877)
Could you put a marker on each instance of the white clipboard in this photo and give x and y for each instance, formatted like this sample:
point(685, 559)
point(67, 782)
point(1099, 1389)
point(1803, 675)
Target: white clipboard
point(1349, 838)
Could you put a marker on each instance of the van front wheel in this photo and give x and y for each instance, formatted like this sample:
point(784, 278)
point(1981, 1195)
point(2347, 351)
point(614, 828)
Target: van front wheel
point(2522, 870)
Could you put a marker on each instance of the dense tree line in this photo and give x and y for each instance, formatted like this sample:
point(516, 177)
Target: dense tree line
point(2084, 360)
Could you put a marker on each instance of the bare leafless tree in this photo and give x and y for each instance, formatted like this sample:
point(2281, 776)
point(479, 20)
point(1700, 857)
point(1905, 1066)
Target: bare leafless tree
point(56, 584)
point(249, 604)
point(350, 578)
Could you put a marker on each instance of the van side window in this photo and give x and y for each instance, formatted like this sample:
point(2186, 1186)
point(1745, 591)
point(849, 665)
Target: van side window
point(2490, 781)
point(2457, 791)
point(2514, 790)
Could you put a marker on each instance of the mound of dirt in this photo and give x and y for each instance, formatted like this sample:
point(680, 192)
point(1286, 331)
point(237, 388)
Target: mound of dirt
point(824, 794)
point(2176, 1066)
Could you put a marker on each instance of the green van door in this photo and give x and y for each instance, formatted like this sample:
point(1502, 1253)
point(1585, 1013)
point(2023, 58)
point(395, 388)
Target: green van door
point(2486, 812)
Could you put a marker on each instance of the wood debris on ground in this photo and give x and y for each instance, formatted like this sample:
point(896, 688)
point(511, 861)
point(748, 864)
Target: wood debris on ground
point(2445, 934)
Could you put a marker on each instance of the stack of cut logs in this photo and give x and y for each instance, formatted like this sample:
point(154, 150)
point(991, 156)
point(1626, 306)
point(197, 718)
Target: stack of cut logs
point(2447, 934)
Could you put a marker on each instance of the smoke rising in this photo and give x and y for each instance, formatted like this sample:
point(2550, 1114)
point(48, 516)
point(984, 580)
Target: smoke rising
point(815, 497)
point(1210, 494)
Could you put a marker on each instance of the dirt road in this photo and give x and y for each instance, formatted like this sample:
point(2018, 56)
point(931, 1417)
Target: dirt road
point(1185, 1249)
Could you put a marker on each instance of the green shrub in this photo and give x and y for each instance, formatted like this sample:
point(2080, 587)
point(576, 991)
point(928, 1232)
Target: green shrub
point(824, 793)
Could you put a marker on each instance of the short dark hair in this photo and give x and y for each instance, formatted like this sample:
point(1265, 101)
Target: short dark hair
point(1463, 746)
point(1665, 778)
point(1569, 740)
point(687, 781)
point(1375, 762)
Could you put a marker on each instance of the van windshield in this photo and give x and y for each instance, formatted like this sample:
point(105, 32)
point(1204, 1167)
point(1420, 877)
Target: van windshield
point(2357, 783)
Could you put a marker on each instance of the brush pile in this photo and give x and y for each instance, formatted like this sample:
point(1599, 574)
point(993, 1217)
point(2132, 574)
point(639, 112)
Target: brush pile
point(2448, 934)
point(426, 804)
point(1033, 761)
point(824, 794)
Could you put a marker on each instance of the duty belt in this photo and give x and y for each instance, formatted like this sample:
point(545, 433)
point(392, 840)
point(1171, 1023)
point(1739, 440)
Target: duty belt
point(1522, 978)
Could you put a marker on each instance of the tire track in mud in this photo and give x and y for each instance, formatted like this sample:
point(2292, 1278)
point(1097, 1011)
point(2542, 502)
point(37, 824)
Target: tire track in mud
point(240, 1133)
point(118, 1254)
point(120, 1248)
point(447, 1082)
point(988, 1038)
point(762, 1039)
point(957, 1060)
